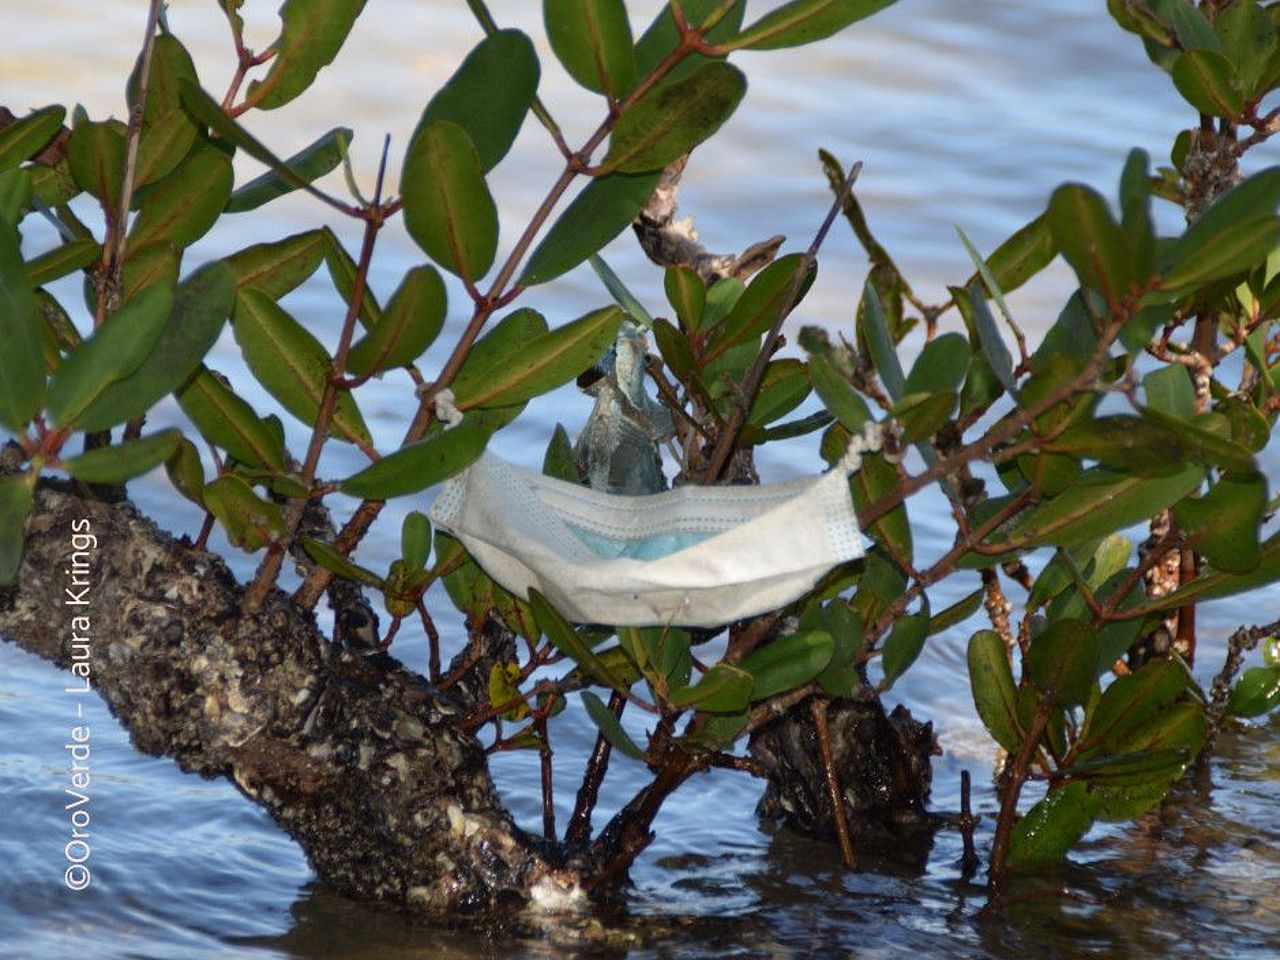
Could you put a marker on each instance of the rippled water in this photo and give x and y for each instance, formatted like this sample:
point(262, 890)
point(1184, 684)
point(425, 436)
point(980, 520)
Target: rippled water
point(964, 113)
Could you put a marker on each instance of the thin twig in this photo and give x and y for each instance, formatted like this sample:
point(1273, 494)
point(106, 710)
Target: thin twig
point(579, 830)
point(834, 792)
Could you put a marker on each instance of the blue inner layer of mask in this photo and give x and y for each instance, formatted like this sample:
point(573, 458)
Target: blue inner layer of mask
point(650, 548)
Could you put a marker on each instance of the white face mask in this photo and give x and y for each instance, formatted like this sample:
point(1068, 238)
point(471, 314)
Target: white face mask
point(690, 557)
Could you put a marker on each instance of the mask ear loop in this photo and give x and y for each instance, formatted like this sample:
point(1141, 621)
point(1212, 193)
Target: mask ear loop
point(446, 410)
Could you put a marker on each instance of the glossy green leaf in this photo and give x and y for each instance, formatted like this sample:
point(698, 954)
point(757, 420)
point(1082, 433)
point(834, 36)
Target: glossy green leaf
point(569, 642)
point(96, 154)
point(605, 207)
point(1169, 390)
point(608, 725)
point(1099, 503)
point(22, 383)
point(312, 32)
point(326, 556)
point(803, 21)
point(489, 94)
point(186, 472)
point(26, 136)
point(957, 613)
point(1090, 240)
point(1256, 693)
point(622, 296)
point(942, 365)
point(1238, 231)
point(412, 320)
point(784, 386)
point(1223, 525)
point(1207, 81)
point(788, 662)
point(115, 350)
point(168, 131)
point(122, 462)
point(559, 461)
point(447, 206)
point(419, 465)
point(994, 695)
point(837, 394)
point(307, 165)
point(922, 415)
point(342, 271)
point(15, 504)
point(592, 39)
point(1204, 443)
point(1021, 256)
point(181, 208)
point(756, 310)
point(674, 117)
point(61, 260)
point(687, 294)
point(1063, 661)
point(146, 267)
point(1127, 707)
point(292, 364)
point(542, 363)
point(251, 523)
point(201, 305)
point(415, 539)
point(1051, 828)
point(1124, 443)
point(279, 267)
point(227, 421)
point(722, 689)
point(903, 646)
point(877, 478)
point(1248, 41)
point(502, 346)
point(881, 344)
point(15, 194)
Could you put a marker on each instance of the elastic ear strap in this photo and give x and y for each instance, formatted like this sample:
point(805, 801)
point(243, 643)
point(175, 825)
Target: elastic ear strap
point(446, 410)
point(870, 441)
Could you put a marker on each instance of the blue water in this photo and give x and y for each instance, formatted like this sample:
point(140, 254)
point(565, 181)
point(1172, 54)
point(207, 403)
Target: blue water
point(964, 114)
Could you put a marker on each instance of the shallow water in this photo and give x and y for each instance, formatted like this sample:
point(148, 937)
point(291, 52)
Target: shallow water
point(964, 113)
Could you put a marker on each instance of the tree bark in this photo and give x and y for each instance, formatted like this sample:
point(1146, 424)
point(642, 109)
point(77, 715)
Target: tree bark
point(353, 755)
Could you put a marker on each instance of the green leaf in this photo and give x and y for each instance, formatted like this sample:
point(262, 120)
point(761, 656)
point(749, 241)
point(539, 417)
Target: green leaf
point(1203, 443)
point(22, 383)
point(922, 415)
point(1063, 661)
point(415, 539)
point(994, 694)
point(942, 365)
point(673, 118)
point(878, 478)
point(1212, 586)
point(489, 94)
point(186, 472)
point(605, 208)
point(1238, 231)
point(1248, 40)
point(608, 724)
point(201, 305)
point(279, 267)
point(543, 363)
point(559, 460)
point(419, 465)
point(1129, 706)
point(1256, 693)
point(411, 322)
point(592, 39)
point(447, 206)
point(1051, 828)
point(309, 164)
point(168, 131)
point(622, 296)
point(722, 689)
point(500, 347)
point(957, 613)
point(96, 154)
point(61, 260)
point(687, 294)
point(784, 386)
point(312, 32)
point(1021, 257)
point(1169, 390)
point(114, 351)
point(1224, 524)
point(1124, 443)
point(148, 267)
point(1090, 240)
point(1207, 81)
point(25, 137)
point(15, 504)
point(903, 646)
point(15, 194)
point(837, 394)
point(342, 271)
point(1101, 502)
point(181, 208)
point(227, 421)
point(880, 343)
point(803, 21)
point(326, 556)
point(755, 312)
point(788, 662)
point(292, 364)
point(251, 523)
point(117, 464)
point(569, 642)
point(662, 37)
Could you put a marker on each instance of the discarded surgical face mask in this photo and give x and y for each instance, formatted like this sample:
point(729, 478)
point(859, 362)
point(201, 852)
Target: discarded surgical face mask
point(693, 556)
